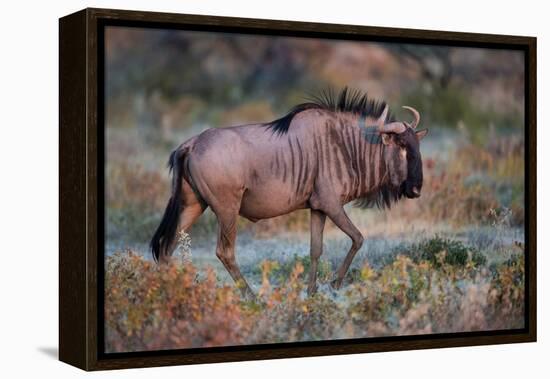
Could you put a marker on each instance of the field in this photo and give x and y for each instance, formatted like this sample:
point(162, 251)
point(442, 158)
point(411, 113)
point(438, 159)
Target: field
point(450, 261)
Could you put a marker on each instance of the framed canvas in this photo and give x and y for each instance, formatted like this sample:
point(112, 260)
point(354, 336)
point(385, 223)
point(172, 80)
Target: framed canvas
point(305, 210)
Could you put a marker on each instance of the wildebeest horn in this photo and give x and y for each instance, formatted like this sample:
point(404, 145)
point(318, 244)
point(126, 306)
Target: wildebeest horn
point(392, 127)
point(416, 116)
point(382, 119)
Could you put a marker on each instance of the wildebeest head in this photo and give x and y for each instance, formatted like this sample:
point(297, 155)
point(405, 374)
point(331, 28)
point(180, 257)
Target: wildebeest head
point(402, 153)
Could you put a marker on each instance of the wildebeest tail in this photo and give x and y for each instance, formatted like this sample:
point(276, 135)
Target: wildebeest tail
point(166, 231)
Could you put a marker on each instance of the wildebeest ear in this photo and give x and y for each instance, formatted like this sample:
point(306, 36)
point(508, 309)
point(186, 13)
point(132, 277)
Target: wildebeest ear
point(386, 138)
point(421, 134)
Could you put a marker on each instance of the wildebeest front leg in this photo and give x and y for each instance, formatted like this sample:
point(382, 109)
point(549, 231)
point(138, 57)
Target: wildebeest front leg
point(342, 221)
point(316, 247)
point(225, 251)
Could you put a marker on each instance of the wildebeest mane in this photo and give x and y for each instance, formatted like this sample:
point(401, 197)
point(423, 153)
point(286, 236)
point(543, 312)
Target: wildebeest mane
point(347, 100)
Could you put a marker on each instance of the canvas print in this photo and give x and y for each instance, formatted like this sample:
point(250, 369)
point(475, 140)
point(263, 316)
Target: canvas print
point(264, 189)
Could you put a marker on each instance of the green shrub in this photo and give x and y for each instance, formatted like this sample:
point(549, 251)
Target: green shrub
point(440, 250)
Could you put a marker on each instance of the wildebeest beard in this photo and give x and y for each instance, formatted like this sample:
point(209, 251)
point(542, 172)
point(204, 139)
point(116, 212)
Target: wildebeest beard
point(382, 197)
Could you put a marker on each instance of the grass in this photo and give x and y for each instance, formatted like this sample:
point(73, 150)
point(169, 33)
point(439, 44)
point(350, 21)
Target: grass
point(150, 307)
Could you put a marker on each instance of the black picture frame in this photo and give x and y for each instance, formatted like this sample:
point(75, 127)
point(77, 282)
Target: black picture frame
point(81, 110)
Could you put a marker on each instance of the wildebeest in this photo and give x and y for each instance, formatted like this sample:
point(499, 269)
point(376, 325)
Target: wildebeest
point(321, 155)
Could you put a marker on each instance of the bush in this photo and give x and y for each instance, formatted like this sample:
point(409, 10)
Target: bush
point(279, 272)
point(150, 307)
point(438, 251)
point(416, 298)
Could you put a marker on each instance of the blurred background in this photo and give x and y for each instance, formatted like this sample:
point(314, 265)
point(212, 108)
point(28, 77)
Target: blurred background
point(164, 86)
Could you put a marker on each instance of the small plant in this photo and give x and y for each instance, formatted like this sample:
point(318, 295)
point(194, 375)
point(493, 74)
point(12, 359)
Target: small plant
point(184, 247)
point(500, 217)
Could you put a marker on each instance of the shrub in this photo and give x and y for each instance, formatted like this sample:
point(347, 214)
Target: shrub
point(415, 298)
point(438, 251)
point(279, 272)
point(150, 307)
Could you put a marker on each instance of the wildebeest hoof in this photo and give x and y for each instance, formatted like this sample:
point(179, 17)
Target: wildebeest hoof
point(336, 284)
point(312, 290)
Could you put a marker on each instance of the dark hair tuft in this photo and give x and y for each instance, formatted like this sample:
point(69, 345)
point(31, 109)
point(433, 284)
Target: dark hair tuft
point(348, 100)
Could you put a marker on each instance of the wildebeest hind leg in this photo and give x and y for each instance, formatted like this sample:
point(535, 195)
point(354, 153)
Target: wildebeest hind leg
point(225, 251)
point(316, 247)
point(192, 208)
point(342, 221)
point(189, 215)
